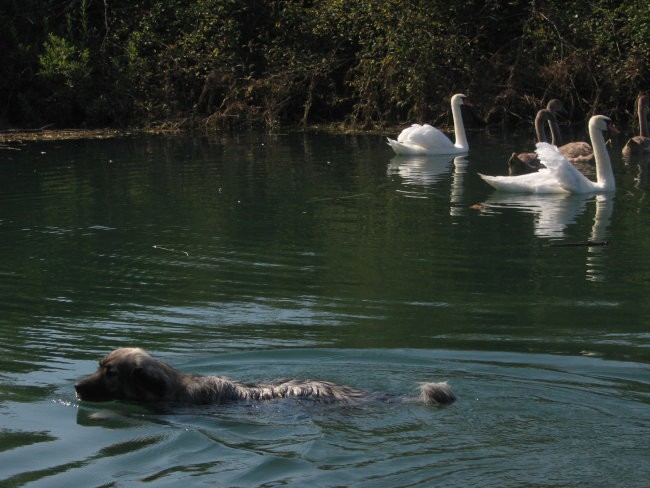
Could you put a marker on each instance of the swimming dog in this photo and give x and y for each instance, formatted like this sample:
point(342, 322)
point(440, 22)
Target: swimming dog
point(132, 374)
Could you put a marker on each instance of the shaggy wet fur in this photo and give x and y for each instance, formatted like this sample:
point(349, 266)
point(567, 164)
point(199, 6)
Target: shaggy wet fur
point(132, 374)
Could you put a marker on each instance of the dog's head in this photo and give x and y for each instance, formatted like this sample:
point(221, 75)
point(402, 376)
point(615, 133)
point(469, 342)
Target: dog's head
point(126, 374)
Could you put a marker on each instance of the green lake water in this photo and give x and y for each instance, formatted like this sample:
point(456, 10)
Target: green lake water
point(321, 256)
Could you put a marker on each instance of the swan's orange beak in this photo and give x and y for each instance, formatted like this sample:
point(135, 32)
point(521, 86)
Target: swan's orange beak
point(612, 128)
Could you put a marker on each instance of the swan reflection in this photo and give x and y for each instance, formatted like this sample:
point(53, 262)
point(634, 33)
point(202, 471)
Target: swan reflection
point(604, 209)
point(641, 163)
point(420, 170)
point(456, 198)
point(554, 213)
point(426, 170)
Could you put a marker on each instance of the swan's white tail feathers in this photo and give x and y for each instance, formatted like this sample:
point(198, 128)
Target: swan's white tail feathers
point(503, 182)
point(436, 393)
point(398, 147)
point(402, 149)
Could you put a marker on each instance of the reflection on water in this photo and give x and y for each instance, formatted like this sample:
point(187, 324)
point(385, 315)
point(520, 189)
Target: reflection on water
point(458, 205)
point(552, 214)
point(298, 255)
point(424, 171)
point(640, 162)
point(602, 219)
point(420, 170)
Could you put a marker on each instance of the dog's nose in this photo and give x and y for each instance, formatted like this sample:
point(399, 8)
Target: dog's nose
point(80, 389)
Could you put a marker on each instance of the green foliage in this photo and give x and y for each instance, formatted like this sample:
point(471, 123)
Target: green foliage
point(62, 63)
point(276, 62)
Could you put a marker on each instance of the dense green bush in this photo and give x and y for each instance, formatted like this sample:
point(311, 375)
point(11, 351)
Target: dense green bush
point(366, 63)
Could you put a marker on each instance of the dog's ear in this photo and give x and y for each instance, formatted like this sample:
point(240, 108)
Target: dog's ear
point(150, 382)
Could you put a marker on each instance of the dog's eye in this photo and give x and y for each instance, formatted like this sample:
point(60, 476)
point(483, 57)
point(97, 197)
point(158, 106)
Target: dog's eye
point(110, 371)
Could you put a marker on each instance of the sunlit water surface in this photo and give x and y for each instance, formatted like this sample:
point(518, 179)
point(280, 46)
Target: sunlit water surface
point(321, 256)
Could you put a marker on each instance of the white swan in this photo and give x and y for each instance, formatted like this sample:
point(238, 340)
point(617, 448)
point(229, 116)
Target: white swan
point(424, 139)
point(560, 176)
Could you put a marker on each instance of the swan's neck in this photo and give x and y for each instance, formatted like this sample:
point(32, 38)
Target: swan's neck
point(542, 117)
point(540, 131)
point(459, 127)
point(604, 171)
point(643, 118)
point(556, 137)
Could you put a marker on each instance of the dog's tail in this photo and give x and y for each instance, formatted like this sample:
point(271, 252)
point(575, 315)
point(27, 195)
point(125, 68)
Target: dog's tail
point(436, 393)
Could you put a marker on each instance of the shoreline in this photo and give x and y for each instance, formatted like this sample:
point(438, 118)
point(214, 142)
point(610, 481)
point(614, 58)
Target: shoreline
point(27, 135)
point(19, 136)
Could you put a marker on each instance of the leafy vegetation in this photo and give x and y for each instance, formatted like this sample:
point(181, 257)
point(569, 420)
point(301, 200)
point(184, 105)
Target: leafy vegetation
point(364, 63)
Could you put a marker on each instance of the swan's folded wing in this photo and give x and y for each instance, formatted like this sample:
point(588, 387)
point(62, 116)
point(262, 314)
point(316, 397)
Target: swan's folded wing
point(406, 133)
point(429, 137)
